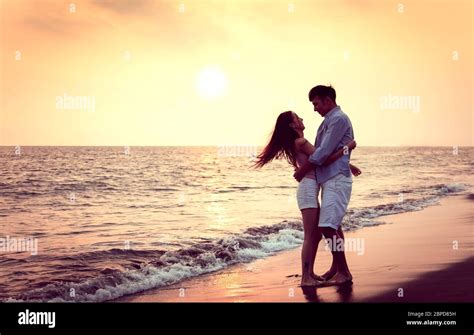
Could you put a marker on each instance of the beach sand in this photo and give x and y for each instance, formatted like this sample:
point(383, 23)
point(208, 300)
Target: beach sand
point(422, 256)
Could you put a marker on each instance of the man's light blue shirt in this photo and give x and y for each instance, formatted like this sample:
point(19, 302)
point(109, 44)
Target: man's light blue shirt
point(333, 133)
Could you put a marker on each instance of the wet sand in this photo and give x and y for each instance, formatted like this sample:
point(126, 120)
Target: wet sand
point(422, 256)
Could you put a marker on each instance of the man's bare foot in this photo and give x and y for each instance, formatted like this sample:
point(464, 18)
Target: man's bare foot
point(305, 282)
point(340, 279)
point(318, 278)
point(330, 273)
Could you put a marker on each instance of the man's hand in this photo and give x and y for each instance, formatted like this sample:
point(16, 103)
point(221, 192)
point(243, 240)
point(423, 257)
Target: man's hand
point(299, 174)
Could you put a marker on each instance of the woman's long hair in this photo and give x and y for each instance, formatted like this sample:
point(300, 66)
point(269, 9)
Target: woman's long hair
point(282, 142)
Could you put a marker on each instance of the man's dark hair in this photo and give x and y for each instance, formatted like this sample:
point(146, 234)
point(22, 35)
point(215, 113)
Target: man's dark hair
point(322, 91)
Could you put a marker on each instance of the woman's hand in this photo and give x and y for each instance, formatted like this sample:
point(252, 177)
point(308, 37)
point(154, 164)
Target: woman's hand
point(355, 170)
point(352, 145)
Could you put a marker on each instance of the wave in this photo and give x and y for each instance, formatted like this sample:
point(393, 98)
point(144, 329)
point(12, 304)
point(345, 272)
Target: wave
point(140, 270)
point(232, 189)
point(155, 268)
point(435, 190)
point(363, 217)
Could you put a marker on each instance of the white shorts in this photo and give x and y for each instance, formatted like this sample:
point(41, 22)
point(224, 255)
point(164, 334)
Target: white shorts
point(307, 193)
point(335, 196)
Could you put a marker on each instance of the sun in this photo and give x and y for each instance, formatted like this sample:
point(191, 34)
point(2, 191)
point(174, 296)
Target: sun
point(211, 83)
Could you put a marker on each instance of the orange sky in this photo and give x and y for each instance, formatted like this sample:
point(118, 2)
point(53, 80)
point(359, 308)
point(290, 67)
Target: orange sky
point(219, 72)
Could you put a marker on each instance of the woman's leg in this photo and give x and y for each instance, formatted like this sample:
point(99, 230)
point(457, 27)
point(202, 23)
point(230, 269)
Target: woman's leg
point(312, 236)
point(319, 234)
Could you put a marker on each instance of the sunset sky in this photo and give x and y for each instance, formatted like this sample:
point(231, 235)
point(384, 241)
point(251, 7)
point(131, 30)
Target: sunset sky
point(219, 72)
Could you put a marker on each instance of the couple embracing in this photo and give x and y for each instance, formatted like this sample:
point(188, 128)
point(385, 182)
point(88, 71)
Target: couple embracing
point(324, 167)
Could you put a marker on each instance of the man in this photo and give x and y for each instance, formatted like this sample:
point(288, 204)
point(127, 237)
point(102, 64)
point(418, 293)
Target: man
point(334, 179)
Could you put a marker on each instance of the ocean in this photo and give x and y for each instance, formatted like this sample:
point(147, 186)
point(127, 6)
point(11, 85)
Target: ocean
point(97, 223)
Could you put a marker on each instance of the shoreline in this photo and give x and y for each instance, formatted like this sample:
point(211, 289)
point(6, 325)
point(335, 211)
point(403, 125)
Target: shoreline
point(420, 256)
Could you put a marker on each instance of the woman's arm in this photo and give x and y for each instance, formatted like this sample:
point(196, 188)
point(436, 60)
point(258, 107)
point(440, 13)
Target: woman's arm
point(304, 146)
point(355, 170)
point(339, 153)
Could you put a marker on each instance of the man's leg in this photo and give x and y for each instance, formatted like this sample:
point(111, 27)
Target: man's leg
point(339, 258)
point(335, 198)
point(333, 269)
point(341, 234)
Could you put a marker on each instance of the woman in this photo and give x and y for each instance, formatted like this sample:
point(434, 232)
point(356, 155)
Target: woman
point(288, 141)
